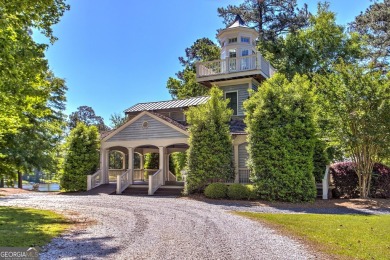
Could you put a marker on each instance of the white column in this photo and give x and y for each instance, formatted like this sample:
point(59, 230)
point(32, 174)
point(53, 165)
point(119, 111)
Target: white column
point(131, 161)
point(161, 150)
point(104, 157)
point(236, 164)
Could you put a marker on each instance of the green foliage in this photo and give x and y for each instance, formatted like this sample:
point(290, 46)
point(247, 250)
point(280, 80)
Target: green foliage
point(271, 18)
point(86, 115)
point(177, 163)
point(81, 158)
point(355, 101)
point(185, 85)
point(374, 26)
point(211, 151)
point(31, 97)
point(116, 159)
point(238, 191)
point(117, 120)
point(151, 161)
point(281, 137)
point(315, 48)
point(320, 160)
point(216, 191)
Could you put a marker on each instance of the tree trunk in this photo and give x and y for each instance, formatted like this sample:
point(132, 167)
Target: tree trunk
point(20, 183)
point(2, 182)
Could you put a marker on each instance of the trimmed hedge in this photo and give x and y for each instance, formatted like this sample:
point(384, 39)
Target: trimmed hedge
point(216, 190)
point(346, 181)
point(238, 191)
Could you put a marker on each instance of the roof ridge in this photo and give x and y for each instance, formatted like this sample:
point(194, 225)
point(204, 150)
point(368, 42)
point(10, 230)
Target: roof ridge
point(170, 100)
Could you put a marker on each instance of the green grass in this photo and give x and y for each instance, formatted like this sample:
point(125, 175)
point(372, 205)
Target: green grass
point(20, 227)
point(351, 236)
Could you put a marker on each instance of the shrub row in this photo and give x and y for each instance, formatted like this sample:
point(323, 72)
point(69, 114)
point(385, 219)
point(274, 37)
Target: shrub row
point(347, 183)
point(234, 191)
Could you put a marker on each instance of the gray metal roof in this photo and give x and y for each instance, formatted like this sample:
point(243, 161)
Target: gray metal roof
point(238, 22)
point(179, 103)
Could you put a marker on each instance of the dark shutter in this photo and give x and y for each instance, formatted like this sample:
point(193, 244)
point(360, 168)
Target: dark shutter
point(233, 101)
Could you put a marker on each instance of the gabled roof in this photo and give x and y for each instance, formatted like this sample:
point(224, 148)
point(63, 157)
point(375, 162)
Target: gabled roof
point(179, 103)
point(238, 22)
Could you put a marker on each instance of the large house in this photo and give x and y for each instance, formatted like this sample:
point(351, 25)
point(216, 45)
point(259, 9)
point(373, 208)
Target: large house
point(160, 127)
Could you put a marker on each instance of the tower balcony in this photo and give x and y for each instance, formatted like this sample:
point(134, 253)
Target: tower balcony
point(231, 68)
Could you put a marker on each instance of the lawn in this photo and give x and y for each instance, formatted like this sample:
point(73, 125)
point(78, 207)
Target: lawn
point(351, 236)
point(20, 227)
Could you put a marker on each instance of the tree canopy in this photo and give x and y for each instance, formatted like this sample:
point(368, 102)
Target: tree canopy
point(185, 85)
point(86, 115)
point(374, 24)
point(355, 100)
point(32, 99)
point(271, 18)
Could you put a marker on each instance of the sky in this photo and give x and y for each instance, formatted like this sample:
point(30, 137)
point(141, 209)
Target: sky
point(114, 54)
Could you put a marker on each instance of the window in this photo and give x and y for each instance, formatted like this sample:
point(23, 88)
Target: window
point(232, 40)
point(245, 39)
point(232, 53)
point(232, 96)
point(244, 53)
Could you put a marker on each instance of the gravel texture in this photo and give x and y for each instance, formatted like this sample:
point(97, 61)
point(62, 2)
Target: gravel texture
point(159, 228)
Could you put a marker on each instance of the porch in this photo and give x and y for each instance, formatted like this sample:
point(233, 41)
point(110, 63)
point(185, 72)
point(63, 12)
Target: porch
point(252, 65)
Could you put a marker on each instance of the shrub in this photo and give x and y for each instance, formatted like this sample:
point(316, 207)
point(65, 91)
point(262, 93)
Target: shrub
point(346, 184)
point(216, 191)
point(320, 160)
point(238, 191)
point(380, 182)
point(281, 138)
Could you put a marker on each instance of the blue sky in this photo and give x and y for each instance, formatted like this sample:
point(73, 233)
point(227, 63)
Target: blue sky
point(114, 54)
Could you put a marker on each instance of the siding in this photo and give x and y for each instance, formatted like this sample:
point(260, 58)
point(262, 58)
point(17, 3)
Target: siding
point(155, 130)
point(242, 155)
point(242, 95)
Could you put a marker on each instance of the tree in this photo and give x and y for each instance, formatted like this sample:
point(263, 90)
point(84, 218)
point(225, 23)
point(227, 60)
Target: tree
point(315, 48)
point(271, 18)
point(185, 85)
point(211, 150)
point(86, 115)
point(81, 157)
point(355, 101)
point(117, 120)
point(31, 98)
point(374, 24)
point(281, 137)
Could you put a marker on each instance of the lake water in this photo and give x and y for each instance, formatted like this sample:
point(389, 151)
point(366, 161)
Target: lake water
point(43, 187)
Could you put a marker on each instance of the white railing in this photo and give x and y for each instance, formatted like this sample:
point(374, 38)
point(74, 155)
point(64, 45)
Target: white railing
point(155, 181)
point(139, 174)
point(238, 64)
point(123, 181)
point(113, 173)
point(171, 176)
point(94, 180)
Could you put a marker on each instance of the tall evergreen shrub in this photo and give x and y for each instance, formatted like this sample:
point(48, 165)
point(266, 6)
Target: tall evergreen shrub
point(81, 157)
point(281, 136)
point(210, 153)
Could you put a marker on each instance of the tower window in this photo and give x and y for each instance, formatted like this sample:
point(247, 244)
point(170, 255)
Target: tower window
point(232, 40)
point(245, 39)
point(233, 104)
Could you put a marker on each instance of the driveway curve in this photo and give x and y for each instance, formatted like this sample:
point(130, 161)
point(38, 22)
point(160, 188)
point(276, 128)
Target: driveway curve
point(157, 228)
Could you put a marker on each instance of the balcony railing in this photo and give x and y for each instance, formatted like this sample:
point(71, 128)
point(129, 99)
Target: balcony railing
point(233, 65)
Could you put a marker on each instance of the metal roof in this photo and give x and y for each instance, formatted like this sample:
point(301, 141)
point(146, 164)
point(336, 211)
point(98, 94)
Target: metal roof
point(238, 22)
point(179, 103)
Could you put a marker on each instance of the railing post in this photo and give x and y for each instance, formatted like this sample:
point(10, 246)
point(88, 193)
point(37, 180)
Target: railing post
point(118, 184)
point(89, 182)
point(325, 184)
point(150, 190)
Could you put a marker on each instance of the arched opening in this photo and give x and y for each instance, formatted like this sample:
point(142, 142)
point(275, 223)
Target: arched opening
point(117, 162)
point(146, 162)
point(177, 161)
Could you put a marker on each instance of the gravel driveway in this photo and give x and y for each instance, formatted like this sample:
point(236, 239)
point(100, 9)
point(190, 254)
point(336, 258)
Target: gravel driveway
point(158, 228)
